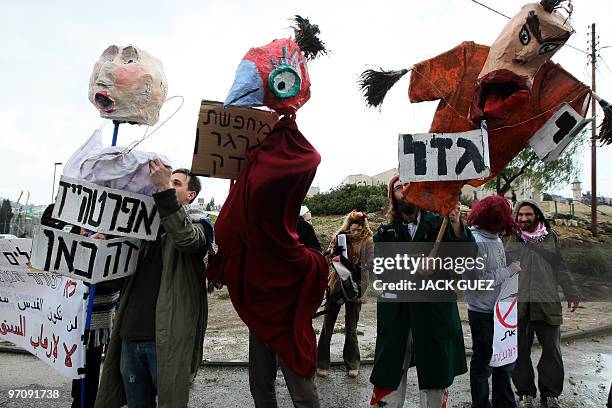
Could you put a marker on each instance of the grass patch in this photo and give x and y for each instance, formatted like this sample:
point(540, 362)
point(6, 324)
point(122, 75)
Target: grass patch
point(342, 330)
point(223, 296)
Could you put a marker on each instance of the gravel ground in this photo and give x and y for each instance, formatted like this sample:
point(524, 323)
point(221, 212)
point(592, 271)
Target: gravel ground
point(588, 368)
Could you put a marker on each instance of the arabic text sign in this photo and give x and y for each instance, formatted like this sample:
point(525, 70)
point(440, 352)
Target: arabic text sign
point(44, 314)
point(557, 133)
point(106, 210)
point(224, 134)
point(15, 253)
point(83, 258)
point(444, 156)
point(505, 324)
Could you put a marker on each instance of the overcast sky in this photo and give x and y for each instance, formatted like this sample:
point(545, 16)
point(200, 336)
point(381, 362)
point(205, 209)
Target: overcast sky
point(49, 49)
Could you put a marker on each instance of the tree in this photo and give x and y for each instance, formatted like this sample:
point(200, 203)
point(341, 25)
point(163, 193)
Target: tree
point(6, 213)
point(545, 176)
point(348, 197)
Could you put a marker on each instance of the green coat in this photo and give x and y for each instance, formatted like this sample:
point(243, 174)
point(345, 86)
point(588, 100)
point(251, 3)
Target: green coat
point(542, 272)
point(438, 348)
point(180, 315)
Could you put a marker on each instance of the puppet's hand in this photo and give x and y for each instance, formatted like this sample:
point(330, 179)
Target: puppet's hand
point(160, 174)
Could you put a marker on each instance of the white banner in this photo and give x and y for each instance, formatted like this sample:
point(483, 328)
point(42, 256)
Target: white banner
point(505, 323)
point(106, 210)
point(44, 314)
point(90, 260)
point(15, 253)
point(557, 133)
point(444, 156)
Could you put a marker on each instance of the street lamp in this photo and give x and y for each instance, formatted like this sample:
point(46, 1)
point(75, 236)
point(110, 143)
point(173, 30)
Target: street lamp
point(53, 186)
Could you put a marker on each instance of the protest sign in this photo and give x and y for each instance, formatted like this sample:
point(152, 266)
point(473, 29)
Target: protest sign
point(504, 324)
point(557, 133)
point(83, 258)
point(444, 156)
point(106, 210)
point(15, 253)
point(224, 134)
point(44, 314)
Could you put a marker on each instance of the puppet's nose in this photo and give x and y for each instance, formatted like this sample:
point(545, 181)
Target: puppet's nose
point(247, 89)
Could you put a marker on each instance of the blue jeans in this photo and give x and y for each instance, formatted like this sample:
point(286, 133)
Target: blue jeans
point(481, 325)
point(139, 372)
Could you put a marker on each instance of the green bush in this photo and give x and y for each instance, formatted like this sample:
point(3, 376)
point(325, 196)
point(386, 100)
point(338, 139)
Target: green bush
point(348, 197)
point(592, 262)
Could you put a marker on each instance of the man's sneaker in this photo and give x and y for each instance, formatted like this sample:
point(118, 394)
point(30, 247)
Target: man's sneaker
point(323, 373)
point(353, 373)
point(551, 402)
point(526, 401)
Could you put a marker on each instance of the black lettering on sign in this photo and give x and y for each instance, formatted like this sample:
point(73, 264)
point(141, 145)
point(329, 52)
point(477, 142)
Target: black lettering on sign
point(442, 144)
point(11, 258)
point(63, 252)
point(238, 119)
point(224, 119)
point(50, 237)
point(86, 204)
point(230, 139)
point(110, 257)
point(23, 253)
point(127, 201)
point(93, 251)
point(208, 114)
point(118, 199)
point(565, 123)
point(128, 257)
point(218, 137)
point(145, 218)
point(251, 124)
point(418, 150)
point(247, 142)
point(215, 162)
point(102, 200)
point(64, 186)
point(471, 154)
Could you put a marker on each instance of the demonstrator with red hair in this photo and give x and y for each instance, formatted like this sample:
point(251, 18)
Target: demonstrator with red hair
point(490, 219)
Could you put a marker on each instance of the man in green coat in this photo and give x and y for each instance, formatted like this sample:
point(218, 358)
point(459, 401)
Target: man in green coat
point(158, 333)
point(425, 334)
point(540, 312)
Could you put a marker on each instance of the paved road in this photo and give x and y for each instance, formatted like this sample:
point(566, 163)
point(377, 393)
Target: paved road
point(588, 375)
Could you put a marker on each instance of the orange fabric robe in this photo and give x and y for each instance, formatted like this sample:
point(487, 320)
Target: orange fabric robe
point(451, 77)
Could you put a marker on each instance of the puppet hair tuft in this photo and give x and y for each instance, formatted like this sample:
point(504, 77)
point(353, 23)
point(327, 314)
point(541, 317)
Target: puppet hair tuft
point(375, 84)
point(307, 38)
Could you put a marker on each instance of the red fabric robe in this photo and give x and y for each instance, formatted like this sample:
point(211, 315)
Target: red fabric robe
point(276, 284)
point(452, 76)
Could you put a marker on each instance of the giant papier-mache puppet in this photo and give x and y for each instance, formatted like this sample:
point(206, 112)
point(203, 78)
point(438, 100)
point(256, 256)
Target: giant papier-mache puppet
point(512, 85)
point(276, 284)
point(127, 85)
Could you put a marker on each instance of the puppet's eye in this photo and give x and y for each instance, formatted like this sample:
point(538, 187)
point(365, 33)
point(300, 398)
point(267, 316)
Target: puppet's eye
point(524, 36)
point(285, 81)
point(548, 47)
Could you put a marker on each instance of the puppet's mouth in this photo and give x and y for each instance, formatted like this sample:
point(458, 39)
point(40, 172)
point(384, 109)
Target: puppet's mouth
point(499, 93)
point(104, 102)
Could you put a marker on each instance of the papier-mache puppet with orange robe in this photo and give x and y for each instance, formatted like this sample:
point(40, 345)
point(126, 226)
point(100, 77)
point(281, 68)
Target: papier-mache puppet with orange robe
point(512, 85)
point(275, 283)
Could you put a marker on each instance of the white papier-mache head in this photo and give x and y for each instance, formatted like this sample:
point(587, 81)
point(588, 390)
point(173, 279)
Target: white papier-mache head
point(128, 84)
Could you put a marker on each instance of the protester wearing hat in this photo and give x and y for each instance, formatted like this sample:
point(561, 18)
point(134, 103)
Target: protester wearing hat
point(305, 230)
point(437, 347)
point(360, 251)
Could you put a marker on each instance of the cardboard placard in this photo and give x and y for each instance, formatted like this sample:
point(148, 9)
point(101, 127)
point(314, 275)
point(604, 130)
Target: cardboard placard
point(44, 314)
point(90, 260)
point(444, 156)
point(505, 322)
point(557, 133)
point(15, 254)
point(106, 210)
point(224, 134)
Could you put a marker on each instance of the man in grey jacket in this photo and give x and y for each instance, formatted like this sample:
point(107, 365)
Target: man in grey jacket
point(539, 306)
point(157, 338)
